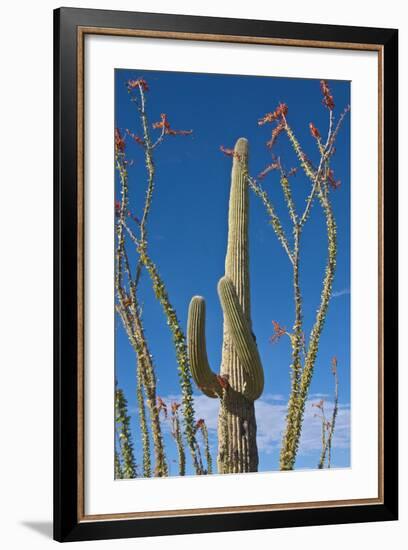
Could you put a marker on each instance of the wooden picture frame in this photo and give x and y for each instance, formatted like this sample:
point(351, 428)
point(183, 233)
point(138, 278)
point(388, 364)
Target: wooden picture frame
point(71, 26)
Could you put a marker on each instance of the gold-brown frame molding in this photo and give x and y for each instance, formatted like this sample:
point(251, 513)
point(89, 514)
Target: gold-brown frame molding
point(82, 32)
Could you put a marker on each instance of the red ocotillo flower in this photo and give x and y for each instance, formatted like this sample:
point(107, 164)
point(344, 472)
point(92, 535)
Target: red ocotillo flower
point(223, 380)
point(119, 141)
point(229, 152)
point(269, 168)
point(133, 217)
point(161, 406)
point(314, 131)
point(328, 100)
point(164, 123)
point(319, 404)
point(279, 331)
point(140, 82)
point(275, 133)
point(200, 422)
point(135, 138)
point(292, 172)
point(127, 301)
point(334, 184)
point(281, 110)
point(172, 132)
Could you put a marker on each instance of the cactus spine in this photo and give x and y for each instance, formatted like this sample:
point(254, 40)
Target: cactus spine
point(241, 378)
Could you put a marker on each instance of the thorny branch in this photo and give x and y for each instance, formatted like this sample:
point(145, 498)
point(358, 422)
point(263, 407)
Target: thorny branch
point(322, 178)
point(328, 426)
point(128, 308)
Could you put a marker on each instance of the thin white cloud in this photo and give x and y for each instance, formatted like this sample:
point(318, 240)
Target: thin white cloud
point(273, 397)
point(342, 292)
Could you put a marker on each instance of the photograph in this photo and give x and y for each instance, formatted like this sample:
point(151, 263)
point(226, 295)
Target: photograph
point(232, 274)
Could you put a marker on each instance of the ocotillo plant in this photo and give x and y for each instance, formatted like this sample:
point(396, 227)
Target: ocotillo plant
point(175, 428)
point(176, 433)
point(125, 464)
point(328, 426)
point(322, 179)
point(241, 378)
point(118, 465)
point(201, 426)
point(130, 313)
point(159, 287)
point(127, 281)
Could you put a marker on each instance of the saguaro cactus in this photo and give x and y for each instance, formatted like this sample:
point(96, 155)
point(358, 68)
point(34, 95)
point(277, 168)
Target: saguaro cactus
point(241, 378)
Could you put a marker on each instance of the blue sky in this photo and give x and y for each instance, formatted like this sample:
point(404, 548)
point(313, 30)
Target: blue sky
point(188, 232)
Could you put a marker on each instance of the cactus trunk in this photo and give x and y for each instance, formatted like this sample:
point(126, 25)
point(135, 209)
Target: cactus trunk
point(241, 378)
point(237, 448)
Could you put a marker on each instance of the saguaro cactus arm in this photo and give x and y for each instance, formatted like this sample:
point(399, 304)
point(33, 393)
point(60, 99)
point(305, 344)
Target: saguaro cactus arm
point(242, 339)
point(203, 376)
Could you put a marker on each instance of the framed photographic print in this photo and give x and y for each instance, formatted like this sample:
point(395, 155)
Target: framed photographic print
point(225, 274)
